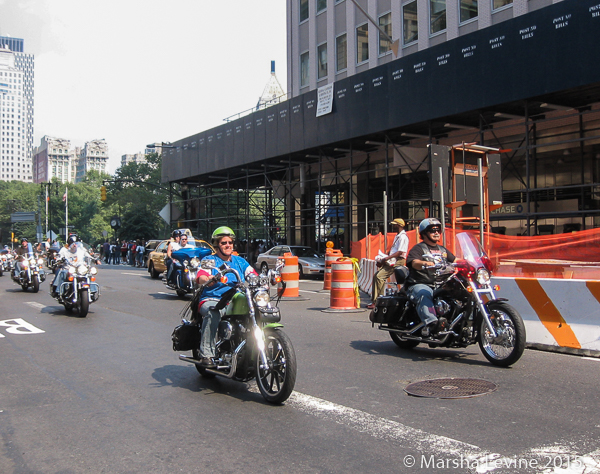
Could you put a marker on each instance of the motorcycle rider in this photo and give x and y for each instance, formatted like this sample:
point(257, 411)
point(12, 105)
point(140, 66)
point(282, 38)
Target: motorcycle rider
point(222, 240)
point(176, 264)
point(173, 246)
point(23, 252)
point(421, 279)
point(71, 252)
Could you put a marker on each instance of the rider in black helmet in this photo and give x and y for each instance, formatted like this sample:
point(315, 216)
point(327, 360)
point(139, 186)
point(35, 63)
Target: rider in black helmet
point(421, 279)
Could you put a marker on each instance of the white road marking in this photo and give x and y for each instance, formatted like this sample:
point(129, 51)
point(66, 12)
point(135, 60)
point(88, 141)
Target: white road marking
point(595, 359)
point(35, 304)
point(432, 451)
point(136, 274)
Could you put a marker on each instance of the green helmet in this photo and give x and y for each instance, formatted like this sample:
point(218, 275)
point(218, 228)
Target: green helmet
point(222, 232)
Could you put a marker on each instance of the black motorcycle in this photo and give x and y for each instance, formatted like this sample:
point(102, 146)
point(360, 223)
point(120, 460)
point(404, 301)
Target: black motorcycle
point(30, 274)
point(250, 340)
point(464, 296)
point(79, 289)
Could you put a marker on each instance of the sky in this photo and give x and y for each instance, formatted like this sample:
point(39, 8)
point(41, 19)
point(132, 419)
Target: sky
point(135, 72)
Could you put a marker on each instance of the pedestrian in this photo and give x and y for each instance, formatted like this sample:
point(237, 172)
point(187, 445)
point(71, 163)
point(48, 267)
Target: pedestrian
point(140, 253)
point(386, 264)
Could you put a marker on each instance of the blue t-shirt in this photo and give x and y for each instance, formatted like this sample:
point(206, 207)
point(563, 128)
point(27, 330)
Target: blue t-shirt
point(217, 290)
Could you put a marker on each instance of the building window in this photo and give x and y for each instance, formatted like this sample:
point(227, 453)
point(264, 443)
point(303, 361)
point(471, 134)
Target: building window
point(341, 53)
point(500, 3)
point(437, 16)
point(410, 23)
point(303, 10)
point(304, 69)
point(362, 43)
point(385, 23)
point(321, 5)
point(468, 10)
point(322, 61)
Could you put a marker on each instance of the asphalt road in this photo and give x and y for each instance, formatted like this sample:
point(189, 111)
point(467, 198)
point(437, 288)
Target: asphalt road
point(107, 394)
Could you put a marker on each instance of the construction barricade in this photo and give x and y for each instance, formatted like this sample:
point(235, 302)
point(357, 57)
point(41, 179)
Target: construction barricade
point(344, 288)
point(559, 315)
point(331, 255)
point(290, 276)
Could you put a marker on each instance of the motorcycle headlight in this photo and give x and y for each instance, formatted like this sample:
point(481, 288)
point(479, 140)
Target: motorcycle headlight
point(81, 269)
point(25, 263)
point(71, 269)
point(261, 298)
point(40, 261)
point(264, 280)
point(194, 262)
point(483, 276)
point(93, 270)
point(252, 279)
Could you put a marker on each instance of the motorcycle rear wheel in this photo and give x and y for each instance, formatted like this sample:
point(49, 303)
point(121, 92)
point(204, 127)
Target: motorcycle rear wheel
point(403, 344)
point(201, 370)
point(277, 381)
point(508, 347)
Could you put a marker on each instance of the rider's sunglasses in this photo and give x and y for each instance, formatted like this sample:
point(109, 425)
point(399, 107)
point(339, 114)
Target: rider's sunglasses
point(183, 238)
point(228, 242)
point(435, 230)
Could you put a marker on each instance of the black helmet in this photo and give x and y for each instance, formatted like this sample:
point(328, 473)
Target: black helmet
point(72, 239)
point(176, 233)
point(24, 239)
point(426, 224)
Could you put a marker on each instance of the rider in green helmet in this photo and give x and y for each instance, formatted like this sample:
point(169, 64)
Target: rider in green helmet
point(223, 239)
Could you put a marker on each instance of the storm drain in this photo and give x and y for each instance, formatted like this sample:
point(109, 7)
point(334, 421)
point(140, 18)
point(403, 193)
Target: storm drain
point(450, 388)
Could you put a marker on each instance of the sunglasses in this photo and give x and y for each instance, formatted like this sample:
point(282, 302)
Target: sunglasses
point(435, 230)
point(229, 242)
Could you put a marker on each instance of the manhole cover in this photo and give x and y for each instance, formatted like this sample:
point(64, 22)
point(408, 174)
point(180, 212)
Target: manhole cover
point(450, 388)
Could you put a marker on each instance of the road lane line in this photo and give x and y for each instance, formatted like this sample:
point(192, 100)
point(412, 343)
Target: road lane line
point(428, 450)
point(35, 305)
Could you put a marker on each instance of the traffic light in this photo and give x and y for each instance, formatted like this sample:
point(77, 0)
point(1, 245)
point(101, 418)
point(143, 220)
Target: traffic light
point(103, 193)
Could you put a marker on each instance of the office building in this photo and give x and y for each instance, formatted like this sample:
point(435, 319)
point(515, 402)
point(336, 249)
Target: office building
point(374, 84)
point(16, 111)
point(93, 156)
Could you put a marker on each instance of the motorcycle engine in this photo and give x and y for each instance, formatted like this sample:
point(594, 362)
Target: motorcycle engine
point(442, 308)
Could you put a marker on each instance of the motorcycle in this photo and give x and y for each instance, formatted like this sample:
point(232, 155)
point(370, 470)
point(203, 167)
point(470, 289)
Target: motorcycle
point(250, 340)
point(185, 275)
point(5, 265)
point(79, 289)
point(464, 295)
point(31, 274)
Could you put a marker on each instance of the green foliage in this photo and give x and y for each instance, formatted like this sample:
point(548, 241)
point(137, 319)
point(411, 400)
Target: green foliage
point(135, 194)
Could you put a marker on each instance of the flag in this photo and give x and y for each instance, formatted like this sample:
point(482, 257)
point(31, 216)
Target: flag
point(65, 195)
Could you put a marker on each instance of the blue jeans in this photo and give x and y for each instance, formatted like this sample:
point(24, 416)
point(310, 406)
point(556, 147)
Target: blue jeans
point(210, 323)
point(422, 297)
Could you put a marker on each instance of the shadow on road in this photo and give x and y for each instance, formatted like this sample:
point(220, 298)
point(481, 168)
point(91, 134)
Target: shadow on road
point(186, 376)
point(420, 353)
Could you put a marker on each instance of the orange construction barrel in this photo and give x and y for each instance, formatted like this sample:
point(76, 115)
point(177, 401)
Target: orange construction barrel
point(290, 275)
point(331, 255)
point(343, 295)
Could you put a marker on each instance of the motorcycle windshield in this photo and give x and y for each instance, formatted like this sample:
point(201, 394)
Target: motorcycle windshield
point(468, 248)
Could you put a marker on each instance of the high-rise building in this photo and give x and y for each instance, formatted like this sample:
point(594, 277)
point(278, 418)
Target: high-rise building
point(54, 159)
point(16, 111)
point(93, 156)
point(133, 158)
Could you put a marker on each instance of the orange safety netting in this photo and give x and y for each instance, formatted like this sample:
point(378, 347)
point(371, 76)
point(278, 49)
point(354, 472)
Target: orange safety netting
point(571, 255)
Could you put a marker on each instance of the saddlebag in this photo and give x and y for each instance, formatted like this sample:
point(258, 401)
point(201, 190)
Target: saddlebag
point(186, 337)
point(388, 309)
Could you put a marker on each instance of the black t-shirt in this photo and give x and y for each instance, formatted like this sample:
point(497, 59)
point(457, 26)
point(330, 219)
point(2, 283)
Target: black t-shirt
point(425, 276)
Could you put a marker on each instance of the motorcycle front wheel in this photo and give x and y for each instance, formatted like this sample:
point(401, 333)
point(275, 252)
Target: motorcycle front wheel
point(83, 303)
point(35, 285)
point(276, 381)
point(507, 347)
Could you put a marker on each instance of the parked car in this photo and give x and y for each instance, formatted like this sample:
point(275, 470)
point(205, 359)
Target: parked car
point(309, 261)
point(149, 247)
point(156, 259)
